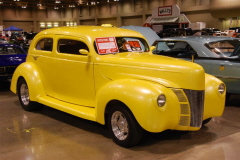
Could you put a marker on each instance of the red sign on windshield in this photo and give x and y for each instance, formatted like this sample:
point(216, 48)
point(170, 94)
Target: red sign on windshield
point(106, 45)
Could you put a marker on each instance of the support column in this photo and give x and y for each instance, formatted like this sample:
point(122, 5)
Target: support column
point(1, 16)
point(35, 27)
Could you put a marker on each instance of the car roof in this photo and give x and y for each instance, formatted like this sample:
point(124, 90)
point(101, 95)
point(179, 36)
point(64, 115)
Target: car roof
point(200, 39)
point(91, 32)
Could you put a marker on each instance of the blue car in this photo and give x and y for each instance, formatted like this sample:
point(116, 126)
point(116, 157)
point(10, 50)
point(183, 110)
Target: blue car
point(10, 57)
point(219, 56)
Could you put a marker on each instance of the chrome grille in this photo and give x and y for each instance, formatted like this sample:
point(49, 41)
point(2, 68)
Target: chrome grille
point(185, 109)
point(184, 120)
point(196, 101)
point(8, 70)
point(191, 107)
point(2, 70)
point(180, 95)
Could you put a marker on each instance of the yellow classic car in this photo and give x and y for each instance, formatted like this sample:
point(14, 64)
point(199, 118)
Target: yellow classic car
point(109, 75)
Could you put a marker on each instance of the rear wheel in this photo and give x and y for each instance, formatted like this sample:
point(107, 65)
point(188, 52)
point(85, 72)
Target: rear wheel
point(123, 127)
point(23, 96)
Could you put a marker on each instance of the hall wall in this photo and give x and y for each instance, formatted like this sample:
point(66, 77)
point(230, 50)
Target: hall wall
point(125, 12)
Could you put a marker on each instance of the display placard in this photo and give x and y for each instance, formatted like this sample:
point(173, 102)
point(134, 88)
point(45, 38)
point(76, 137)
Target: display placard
point(135, 45)
point(106, 45)
point(165, 11)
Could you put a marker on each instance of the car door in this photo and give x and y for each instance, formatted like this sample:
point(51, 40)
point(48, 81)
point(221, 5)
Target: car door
point(74, 81)
point(42, 56)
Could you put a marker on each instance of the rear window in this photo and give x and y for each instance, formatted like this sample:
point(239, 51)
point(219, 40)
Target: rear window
point(223, 48)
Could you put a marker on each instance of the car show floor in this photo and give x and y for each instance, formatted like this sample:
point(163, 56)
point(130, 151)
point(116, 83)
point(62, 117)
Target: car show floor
point(50, 134)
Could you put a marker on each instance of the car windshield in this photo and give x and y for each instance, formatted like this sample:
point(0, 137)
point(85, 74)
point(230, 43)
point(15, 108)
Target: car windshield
point(224, 48)
point(111, 45)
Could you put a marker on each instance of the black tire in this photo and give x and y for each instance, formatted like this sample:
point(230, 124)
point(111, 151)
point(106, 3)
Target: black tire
point(23, 96)
point(206, 121)
point(228, 95)
point(123, 127)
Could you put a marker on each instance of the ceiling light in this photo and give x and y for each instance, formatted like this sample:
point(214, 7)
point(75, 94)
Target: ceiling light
point(57, 1)
point(42, 7)
point(72, 5)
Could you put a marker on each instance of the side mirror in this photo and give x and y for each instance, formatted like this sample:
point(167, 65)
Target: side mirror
point(83, 52)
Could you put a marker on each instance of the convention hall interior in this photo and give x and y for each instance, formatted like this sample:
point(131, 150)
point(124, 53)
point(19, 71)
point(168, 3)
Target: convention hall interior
point(48, 133)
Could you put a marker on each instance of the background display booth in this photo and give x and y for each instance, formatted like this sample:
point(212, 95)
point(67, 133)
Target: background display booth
point(166, 17)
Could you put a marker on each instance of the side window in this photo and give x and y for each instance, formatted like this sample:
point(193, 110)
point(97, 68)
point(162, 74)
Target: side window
point(71, 46)
point(45, 44)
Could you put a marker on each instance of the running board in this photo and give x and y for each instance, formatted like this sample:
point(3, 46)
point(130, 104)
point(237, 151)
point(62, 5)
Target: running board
point(76, 110)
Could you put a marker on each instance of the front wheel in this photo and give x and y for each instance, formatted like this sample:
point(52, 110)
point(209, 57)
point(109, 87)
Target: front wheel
point(206, 121)
point(123, 127)
point(23, 96)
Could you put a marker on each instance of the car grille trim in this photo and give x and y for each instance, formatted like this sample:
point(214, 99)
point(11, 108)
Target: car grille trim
point(196, 101)
point(7, 70)
point(191, 107)
point(2, 70)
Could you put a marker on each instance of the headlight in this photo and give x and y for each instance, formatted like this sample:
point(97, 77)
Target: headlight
point(161, 100)
point(221, 88)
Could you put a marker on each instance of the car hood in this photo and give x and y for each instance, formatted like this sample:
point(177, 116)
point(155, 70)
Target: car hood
point(12, 60)
point(168, 71)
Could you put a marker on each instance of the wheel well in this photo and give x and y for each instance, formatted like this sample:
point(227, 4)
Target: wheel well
point(111, 104)
point(19, 78)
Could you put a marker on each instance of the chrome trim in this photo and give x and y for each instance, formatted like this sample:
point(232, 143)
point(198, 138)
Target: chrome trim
point(191, 107)
point(196, 101)
point(180, 95)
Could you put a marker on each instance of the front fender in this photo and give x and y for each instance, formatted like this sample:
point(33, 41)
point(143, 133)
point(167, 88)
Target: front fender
point(214, 101)
point(28, 71)
point(141, 98)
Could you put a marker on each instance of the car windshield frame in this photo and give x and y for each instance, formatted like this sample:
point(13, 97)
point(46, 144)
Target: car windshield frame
point(223, 48)
point(120, 45)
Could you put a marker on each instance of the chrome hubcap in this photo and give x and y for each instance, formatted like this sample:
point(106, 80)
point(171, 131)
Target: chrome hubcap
point(24, 94)
point(119, 125)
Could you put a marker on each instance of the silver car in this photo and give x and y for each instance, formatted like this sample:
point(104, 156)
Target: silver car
point(219, 56)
